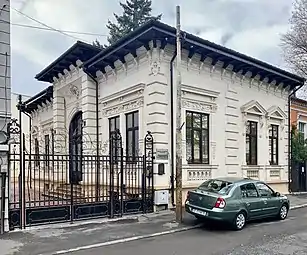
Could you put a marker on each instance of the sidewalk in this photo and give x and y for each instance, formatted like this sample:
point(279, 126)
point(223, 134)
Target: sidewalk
point(69, 236)
point(298, 201)
point(64, 238)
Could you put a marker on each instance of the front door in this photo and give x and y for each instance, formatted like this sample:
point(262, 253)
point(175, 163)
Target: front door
point(75, 149)
point(252, 201)
point(271, 202)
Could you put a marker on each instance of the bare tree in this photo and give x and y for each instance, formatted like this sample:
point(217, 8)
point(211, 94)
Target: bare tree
point(294, 42)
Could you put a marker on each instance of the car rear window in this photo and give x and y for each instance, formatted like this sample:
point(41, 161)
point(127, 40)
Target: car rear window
point(217, 186)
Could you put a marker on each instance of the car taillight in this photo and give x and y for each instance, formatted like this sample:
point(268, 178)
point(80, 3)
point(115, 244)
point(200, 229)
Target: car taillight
point(220, 203)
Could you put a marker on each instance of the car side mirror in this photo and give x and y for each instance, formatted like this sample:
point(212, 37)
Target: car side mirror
point(277, 194)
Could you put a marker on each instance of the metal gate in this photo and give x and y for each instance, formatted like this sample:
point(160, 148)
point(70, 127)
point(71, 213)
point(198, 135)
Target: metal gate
point(47, 188)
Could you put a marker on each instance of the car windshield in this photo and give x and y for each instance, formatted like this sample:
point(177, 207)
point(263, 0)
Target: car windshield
point(216, 186)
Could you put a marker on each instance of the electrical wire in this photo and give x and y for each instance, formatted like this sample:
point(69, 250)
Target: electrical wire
point(52, 30)
point(45, 25)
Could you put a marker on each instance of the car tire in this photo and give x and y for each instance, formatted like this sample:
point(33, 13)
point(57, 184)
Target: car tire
point(283, 212)
point(239, 221)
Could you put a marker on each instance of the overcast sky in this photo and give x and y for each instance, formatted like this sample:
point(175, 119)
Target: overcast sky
point(252, 27)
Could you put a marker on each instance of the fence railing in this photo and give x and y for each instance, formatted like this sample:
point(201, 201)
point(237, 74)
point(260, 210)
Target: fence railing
point(2, 201)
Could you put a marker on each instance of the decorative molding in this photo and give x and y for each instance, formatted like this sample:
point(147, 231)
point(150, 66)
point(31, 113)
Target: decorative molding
point(199, 106)
point(213, 148)
point(199, 175)
point(253, 107)
point(275, 112)
point(74, 90)
point(128, 106)
point(200, 91)
point(67, 75)
point(137, 89)
point(155, 67)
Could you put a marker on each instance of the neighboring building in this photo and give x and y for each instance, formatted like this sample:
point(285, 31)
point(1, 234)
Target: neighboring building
point(5, 92)
point(234, 107)
point(5, 64)
point(299, 120)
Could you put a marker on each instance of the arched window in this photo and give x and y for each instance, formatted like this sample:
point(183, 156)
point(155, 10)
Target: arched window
point(75, 148)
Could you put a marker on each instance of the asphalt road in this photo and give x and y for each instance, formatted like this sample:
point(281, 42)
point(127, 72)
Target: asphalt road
point(261, 238)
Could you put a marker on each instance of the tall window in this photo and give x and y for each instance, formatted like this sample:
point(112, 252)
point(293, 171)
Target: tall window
point(251, 143)
point(47, 152)
point(115, 144)
point(197, 137)
point(113, 124)
point(36, 152)
point(132, 135)
point(273, 144)
point(302, 128)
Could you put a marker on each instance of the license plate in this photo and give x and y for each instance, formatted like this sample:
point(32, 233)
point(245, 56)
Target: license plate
point(199, 212)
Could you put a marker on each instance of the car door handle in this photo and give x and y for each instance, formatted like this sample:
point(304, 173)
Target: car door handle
point(248, 204)
point(265, 202)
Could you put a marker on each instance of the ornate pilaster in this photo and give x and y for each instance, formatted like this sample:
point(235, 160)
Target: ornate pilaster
point(59, 122)
point(88, 106)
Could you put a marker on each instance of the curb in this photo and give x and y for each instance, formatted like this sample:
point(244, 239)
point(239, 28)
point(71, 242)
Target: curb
point(125, 240)
point(128, 219)
point(298, 206)
point(123, 220)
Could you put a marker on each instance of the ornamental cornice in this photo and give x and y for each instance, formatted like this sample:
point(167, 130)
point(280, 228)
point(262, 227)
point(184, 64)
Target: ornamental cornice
point(199, 106)
point(124, 107)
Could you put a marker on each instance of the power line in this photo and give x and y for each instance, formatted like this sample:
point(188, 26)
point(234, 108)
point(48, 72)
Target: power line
point(45, 25)
point(49, 29)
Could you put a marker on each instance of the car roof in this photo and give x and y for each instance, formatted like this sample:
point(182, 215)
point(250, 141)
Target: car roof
point(236, 179)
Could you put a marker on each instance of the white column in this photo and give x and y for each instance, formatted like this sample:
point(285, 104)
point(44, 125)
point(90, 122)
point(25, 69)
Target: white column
point(61, 131)
point(88, 106)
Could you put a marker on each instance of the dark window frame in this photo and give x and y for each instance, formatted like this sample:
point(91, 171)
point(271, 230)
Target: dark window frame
point(116, 152)
point(201, 130)
point(302, 132)
point(47, 149)
point(36, 152)
point(273, 138)
point(134, 129)
point(115, 118)
point(252, 136)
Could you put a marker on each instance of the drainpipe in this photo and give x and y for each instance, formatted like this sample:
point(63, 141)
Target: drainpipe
point(97, 130)
point(290, 136)
point(172, 129)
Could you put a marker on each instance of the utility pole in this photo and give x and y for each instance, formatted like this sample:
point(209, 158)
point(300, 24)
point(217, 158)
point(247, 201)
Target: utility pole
point(178, 123)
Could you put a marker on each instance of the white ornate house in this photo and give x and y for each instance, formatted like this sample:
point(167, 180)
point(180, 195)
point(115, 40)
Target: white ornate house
point(234, 107)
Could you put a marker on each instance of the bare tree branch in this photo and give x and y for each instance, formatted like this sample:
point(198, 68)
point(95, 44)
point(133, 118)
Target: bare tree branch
point(294, 42)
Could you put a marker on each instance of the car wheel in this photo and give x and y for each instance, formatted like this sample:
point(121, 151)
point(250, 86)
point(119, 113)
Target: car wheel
point(239, 221)
point(283, 212)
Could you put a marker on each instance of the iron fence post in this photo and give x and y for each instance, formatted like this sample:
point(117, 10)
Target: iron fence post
point(121, 181)
point(3, 187)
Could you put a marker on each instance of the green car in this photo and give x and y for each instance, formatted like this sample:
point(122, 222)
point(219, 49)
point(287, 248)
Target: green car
point(236, 201)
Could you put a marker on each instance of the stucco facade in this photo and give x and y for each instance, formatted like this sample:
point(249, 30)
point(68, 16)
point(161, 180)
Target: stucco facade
point(227, 101)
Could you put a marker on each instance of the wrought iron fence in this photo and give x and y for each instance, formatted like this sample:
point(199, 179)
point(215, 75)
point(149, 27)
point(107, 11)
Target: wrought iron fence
point(68, 185)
